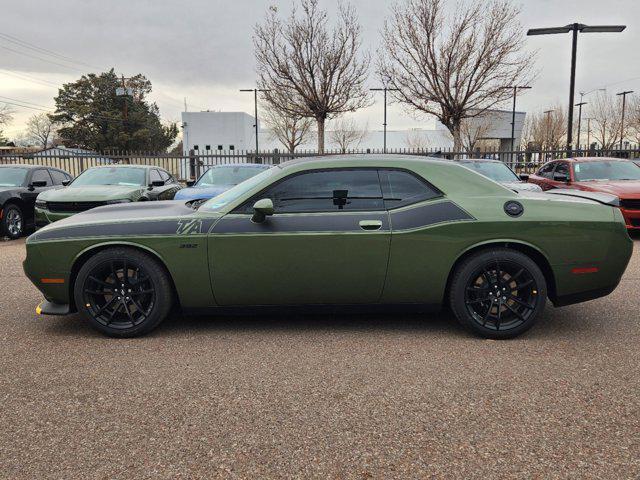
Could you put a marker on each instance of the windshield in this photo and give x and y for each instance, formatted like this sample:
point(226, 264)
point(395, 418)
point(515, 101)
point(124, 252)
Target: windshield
point(12, 176)
point(497, 172)
point(227, 175)
point(220, 201)
point(606, 170)
point(111, 176)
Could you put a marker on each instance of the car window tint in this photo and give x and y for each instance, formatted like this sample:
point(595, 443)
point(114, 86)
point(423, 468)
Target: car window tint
point(562, 168)
point(41, 176)
point(154, 176)
point(58, 177)
point(165, 176)
point(326, 191)
point(403, 188)
point(547, 170)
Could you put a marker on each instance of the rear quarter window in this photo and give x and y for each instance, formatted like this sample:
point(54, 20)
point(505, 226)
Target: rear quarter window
point(402, 188)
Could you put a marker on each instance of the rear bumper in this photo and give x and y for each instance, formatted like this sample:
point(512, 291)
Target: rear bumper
point(50, 308)
point(631, 218)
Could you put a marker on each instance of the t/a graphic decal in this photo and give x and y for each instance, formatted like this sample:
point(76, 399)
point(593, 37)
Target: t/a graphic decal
point(189, 227)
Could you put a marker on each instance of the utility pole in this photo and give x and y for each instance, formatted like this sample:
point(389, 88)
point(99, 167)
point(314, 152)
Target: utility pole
point(624, 98)
point(255, 109)
point(385, 90)
point(548, 113)
point(574, 28)
point(589, 133)
point(579, 105)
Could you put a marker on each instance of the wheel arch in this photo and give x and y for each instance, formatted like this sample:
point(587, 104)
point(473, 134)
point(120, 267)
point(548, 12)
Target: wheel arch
point(88, 252)
point(526, 248)
point(20, 203)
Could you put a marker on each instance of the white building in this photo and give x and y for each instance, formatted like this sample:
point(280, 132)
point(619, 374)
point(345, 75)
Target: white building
point(208, 132)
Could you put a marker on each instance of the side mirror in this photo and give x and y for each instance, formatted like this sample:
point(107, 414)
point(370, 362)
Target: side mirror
point(39, 184)
point(190, 183)
point(561, 177)
point(156, 183)
point(524, 177)
point(261, 209)
point(66, 183)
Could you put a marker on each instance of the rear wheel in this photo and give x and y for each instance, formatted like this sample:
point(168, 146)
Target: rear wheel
point(123, 292)
point(498, 293)
point(12, 223)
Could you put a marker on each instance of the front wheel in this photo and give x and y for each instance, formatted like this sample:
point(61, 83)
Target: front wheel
point(12, 223)
point(498, 293)
point(123, 292)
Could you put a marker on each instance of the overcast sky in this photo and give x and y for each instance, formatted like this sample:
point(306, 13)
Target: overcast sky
point(202, 50)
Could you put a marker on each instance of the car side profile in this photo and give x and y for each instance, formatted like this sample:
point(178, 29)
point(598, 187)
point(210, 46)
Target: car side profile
point(351, 230)
point(612, 176)
point(19, 187)
point(105, 185)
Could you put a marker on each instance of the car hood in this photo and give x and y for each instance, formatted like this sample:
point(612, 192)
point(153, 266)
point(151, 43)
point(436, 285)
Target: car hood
point(522, 186)
point(622, 188)
point(195, 193)
point(169, 217)
point(92, 193)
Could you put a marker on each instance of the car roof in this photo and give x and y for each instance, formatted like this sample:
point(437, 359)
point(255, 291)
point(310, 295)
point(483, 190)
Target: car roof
point(24, 165)
point(479, 160)
point(361, 160)
point(126, 165)
point(243, 165)
point(592, 159)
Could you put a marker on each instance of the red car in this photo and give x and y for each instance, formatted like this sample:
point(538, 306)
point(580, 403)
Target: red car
point(596, 174)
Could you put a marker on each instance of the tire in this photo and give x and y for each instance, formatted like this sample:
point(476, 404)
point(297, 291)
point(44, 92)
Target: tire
point(494, 305)
point(142, 299)
point(12, 223)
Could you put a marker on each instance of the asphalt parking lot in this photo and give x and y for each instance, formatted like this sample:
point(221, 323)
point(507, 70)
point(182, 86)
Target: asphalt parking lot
point(319, 397)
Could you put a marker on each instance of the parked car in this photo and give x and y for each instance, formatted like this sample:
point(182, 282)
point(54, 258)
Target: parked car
point(499, 172)
point(19, 187)
point(219, 179)
point(358, 230)
point(105, 185)
point(596, 174)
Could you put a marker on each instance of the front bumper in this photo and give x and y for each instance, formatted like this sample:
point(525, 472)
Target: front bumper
point(631, 218)
point(45, 217)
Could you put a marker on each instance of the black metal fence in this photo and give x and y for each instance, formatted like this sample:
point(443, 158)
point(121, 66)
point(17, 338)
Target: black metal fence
point(186, 167)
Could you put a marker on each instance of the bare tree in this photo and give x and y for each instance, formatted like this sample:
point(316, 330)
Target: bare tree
point(472, 130)
point(456, 66)
point(40, 129)
point(290, 130)
point(308, 69)
point(347, 134)
point(634, 119)
point(606, 112)
point(545, 130)
point(415, 139)
point(6, 116)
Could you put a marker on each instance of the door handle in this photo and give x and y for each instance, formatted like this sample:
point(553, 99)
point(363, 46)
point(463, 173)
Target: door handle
point(370, 224)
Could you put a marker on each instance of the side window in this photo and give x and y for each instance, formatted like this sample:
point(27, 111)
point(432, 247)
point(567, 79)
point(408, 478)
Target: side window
point(58, 177)
point(402, 188)
point(165, 176)
point(41, 176)
point(547, 170)
point(327, 191)
point(562, 168)
point(154, 176)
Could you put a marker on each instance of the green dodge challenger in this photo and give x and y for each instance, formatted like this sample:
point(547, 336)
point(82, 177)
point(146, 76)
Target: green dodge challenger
point(361, 230)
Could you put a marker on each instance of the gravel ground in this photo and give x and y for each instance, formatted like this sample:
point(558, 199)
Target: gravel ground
point(319, 397)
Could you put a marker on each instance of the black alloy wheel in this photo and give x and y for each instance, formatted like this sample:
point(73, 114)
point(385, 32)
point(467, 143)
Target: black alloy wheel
point(123, 292)
point(498, 293)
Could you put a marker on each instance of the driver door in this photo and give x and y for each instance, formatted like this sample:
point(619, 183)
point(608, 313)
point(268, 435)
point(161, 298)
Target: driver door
point(327, 243)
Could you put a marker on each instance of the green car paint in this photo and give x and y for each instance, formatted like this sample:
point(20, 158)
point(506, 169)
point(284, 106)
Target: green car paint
point(54, 205)
point(217, 256)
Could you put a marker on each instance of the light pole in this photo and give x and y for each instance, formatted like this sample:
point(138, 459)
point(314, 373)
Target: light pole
point(385, 90)
point(579, 105)
point(624, 98)
point(513, 115)
point(574, 28)
point(255, 108)
point(548, 113)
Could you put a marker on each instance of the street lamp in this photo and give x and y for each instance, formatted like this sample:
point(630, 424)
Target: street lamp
point(574, 28)
point(513, 114)
point(548, 113)
point(255, 105)
point(385, 90)
point(624, 98)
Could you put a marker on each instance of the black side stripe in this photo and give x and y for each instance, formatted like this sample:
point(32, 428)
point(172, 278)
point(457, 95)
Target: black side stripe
point(332, 222)
point(183, 226)
point(426, 215)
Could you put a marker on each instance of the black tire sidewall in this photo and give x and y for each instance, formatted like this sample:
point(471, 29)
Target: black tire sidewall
point(159, 279)
point(5, 219)
point(470, 265)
